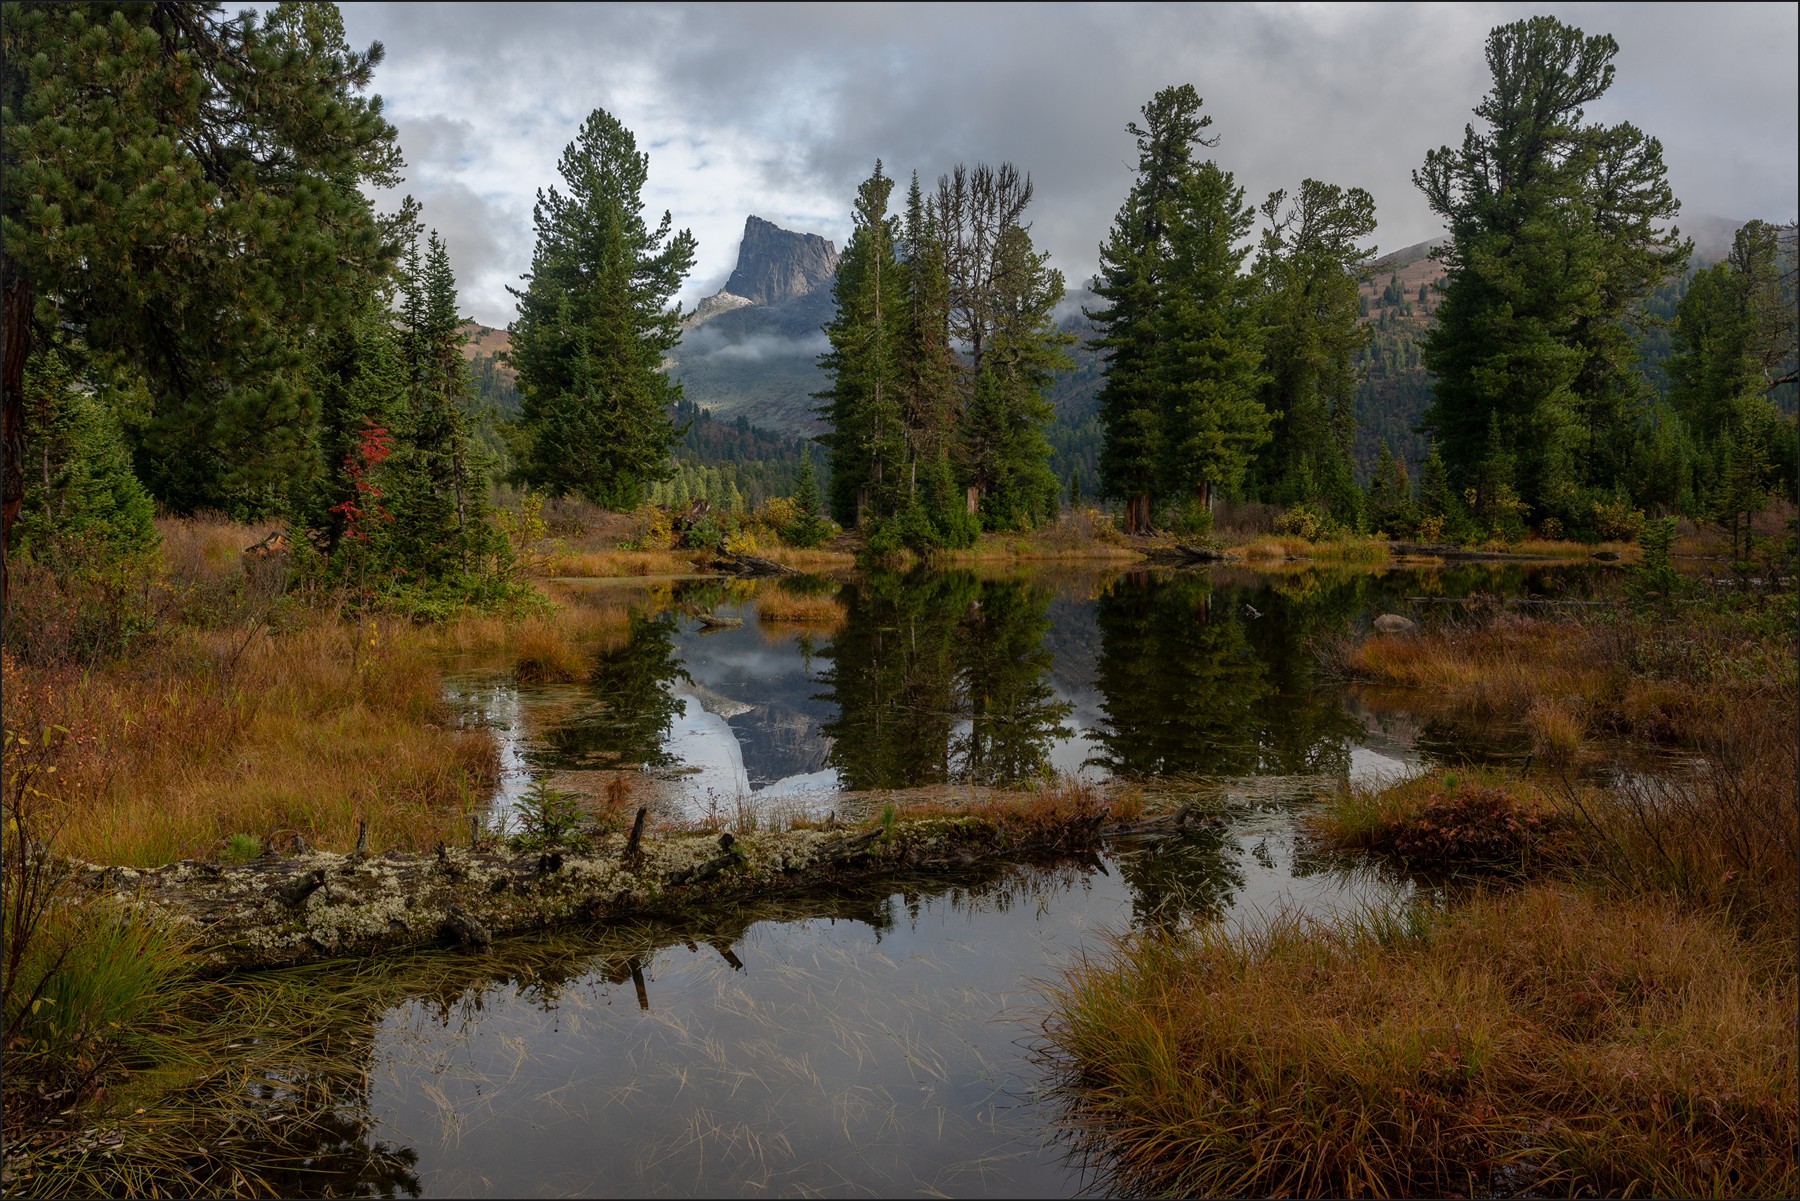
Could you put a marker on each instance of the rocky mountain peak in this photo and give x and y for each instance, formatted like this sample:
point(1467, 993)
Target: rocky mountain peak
point(776, 264)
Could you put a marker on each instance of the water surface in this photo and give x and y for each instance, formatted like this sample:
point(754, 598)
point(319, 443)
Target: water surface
point(879, 1039)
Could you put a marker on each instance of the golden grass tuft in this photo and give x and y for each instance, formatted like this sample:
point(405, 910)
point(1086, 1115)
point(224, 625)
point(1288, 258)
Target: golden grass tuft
point(780, 607)
point(544, 651)
point(610, 564)
point(1557, 726)
point(1538, 1040)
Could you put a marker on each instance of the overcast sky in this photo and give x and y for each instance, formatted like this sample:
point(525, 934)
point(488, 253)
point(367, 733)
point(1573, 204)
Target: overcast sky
point(780, 110)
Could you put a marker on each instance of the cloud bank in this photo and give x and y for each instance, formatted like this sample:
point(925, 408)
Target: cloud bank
point(781, 110)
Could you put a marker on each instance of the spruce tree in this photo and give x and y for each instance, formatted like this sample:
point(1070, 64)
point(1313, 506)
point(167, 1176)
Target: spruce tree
point(186, 190)
point(1133, 285)
point(441, 509)
point(1733, 332)
point(595, 323)
point(1005, 453)
point(1209, 364)
point(83, 508)
point(864, 404)
point(927, 366)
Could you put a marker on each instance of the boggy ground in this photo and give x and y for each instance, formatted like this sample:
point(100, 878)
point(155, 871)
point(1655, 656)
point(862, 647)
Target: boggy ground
point(1594, 993)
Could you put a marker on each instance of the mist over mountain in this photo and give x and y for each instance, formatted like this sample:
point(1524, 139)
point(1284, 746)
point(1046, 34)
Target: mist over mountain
point(752, 348)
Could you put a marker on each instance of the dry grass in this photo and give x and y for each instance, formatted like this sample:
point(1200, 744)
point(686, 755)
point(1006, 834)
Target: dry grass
point(1485, 818)
point(1539, 1040)
point(1078, 535)
point(218, 734)
point(1278, 547)
point(236, 715)
point(1667, 676)
point(816, 558)
point(610, 564)
point(777, 606)
point(1556, 548)
point(207, 545)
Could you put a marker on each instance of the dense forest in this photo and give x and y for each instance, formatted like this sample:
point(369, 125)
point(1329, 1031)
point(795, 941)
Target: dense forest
point(1227, 348)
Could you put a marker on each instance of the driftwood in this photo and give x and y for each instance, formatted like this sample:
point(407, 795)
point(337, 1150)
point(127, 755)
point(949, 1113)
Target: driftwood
point(750, 566)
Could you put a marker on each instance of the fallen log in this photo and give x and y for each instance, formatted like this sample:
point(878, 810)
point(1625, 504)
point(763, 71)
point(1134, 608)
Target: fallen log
point(279, 911)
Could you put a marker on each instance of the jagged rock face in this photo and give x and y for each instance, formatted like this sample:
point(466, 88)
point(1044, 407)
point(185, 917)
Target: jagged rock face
point(776, 264)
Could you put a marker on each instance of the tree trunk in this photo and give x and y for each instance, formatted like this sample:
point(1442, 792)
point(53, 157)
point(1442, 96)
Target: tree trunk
point(18, 305)
point(1137, 515)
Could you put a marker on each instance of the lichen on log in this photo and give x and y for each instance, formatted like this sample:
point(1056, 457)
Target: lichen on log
point(320, 905)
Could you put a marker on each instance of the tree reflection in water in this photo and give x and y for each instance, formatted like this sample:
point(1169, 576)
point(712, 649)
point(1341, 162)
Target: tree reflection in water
point(634, 707)
point(940, 677)
point(1215, 678)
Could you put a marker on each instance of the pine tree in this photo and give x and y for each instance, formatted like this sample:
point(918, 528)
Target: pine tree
point(186, 191)
point(1554, 239)
point(595, 322)
point(1179, 405)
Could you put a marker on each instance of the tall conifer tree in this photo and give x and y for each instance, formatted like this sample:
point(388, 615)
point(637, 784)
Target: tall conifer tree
point(1179, 404)
point(595, 322)
point(185, 190)
point(865, 403)
point(1307, 271)
point(1554, 238)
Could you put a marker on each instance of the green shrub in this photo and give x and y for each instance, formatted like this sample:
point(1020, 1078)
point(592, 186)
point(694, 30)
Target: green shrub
point(1616, 521)
point(548, 817)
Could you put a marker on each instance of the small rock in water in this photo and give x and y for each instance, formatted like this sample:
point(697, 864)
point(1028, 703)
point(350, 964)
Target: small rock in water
point(1393, 623)
point(1607, 556)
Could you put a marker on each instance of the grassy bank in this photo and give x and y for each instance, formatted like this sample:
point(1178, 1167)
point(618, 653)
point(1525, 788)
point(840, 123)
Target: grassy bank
point(1535, 1040)
point(1601, 1003)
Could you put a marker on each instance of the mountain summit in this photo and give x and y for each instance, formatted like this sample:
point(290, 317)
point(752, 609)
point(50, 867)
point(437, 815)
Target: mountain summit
point(752, 348)
point(776, 265)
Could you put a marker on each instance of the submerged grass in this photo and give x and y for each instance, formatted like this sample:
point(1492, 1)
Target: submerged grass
point(1677, 674)
point(1539, 1039)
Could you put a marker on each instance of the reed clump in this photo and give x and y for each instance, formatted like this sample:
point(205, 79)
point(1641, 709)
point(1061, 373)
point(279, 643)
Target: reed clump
point(1484, 819)
point(1537, 1040)
point(609, 564)
point(1672, 674)
point(782, 607)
